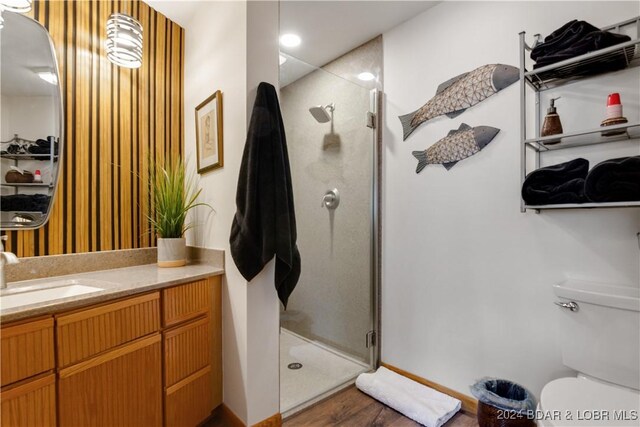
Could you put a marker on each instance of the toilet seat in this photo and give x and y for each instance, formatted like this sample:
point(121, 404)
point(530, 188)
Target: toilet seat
point(586, 402)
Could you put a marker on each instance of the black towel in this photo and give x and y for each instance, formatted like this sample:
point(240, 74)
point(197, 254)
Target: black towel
point(265, 221)
point(25, 203)
point(615, 180)
point(576, 38)
point(562, 183)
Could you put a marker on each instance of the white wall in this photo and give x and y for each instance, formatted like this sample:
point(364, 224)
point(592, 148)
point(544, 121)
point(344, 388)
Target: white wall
point(231, 46)
point(466, 277)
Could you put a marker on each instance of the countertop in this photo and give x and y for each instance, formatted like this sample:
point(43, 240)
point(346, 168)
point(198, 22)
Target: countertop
point(117, 283)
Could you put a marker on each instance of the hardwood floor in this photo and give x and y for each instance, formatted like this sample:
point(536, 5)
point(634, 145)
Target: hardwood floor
point(352, 408)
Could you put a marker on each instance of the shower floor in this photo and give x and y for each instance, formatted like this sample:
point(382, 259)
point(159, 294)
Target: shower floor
point(323, 369)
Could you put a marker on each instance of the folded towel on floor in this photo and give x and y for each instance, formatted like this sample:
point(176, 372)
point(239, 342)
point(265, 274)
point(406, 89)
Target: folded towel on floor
point(416, 401)
point(561, 183)
point(614, 180)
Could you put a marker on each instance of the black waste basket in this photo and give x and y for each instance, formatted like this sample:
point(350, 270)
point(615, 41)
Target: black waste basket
point(503, 403)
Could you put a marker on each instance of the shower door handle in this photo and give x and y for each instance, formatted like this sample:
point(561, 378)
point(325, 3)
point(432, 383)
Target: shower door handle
point(331, 199)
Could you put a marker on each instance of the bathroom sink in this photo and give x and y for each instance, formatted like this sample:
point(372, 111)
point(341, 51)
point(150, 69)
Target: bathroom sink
point(17, 297)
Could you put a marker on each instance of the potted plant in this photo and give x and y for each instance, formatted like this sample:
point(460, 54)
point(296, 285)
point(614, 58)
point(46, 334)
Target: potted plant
point(174, 195)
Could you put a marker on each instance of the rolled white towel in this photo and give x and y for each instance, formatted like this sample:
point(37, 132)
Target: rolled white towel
point(416, 401)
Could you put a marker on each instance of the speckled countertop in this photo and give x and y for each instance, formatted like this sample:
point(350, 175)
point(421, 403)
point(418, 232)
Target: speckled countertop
point(116, 283)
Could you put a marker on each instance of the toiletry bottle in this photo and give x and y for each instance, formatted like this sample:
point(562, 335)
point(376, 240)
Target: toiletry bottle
point(37, 178)
point(551, 124)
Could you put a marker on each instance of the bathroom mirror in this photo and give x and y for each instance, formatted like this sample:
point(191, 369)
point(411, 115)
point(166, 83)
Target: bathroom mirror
point(31, 129)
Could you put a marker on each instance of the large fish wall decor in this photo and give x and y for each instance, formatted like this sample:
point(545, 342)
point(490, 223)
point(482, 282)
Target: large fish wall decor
point(454, 96)
point(457, 145)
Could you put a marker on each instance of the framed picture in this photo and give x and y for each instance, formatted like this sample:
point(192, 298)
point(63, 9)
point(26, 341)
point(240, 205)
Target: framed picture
point(209, 133)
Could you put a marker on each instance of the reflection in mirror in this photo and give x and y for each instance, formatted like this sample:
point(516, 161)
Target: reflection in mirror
point(31, 123)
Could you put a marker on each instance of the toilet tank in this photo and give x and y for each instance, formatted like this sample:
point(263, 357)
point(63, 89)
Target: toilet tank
point(602, 338)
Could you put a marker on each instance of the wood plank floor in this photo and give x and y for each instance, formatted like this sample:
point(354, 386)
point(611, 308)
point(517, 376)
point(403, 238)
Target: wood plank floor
point(352, 408)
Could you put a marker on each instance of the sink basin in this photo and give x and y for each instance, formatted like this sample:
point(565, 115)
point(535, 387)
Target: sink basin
point(18, 297)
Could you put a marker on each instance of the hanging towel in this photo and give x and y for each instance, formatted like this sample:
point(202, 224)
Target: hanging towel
point(561, 183)
point(265, 223)
point(614, 180)
point(416, 401)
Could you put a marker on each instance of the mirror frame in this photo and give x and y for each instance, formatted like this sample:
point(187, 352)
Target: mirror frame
point(59, 100)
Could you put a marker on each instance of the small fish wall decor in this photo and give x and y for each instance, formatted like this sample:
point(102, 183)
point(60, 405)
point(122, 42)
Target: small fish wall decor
point(457, 145)
point(454, 96)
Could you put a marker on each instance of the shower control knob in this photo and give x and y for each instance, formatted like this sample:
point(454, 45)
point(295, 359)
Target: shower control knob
point(331, 199)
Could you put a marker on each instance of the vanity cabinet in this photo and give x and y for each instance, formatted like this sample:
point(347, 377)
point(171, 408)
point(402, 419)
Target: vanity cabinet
point(149, 360)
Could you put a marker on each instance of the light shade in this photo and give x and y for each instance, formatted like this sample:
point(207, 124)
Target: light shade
point(124, 40)
point(19, 6)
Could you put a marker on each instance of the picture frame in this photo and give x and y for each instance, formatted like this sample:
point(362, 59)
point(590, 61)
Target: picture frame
point(209, 133)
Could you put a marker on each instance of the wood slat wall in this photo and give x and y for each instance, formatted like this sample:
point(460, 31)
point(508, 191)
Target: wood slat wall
point(117, 120)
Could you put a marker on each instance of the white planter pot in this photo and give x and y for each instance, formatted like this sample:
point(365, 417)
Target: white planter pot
point(172, 252)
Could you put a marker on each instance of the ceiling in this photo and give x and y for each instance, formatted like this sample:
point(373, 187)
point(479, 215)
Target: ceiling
point(329, 29)
point(26, 49)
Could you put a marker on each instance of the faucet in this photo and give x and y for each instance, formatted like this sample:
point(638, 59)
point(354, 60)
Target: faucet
point(5, 258)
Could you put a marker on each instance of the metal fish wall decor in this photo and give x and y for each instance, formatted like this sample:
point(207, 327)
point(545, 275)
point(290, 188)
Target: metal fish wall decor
point(457, 145)
point(454, 96)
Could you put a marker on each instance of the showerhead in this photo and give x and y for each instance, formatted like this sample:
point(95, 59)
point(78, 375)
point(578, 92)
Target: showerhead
point(322, 114)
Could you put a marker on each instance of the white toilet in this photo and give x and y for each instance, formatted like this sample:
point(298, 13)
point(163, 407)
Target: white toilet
point(600, 338)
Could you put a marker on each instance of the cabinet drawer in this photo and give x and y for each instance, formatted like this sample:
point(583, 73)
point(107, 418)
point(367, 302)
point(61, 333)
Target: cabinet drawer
point(190, 401)
point(122, 387)
point(26, 350)
point(186, 302)
point(187, 350)
point(84, 334)
point(30, 404)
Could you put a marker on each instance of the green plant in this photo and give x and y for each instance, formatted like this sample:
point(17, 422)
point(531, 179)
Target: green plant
point(174, 195)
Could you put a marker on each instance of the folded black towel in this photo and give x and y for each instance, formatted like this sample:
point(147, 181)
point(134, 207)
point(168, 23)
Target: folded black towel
point(576, 38)
point(562, 183)
point(562, 38)
point(265, 223)
point(25, 203)
point(615, 180)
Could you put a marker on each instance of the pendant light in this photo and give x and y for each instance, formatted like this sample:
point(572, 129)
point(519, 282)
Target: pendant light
point(18, 6)
point(124, 40)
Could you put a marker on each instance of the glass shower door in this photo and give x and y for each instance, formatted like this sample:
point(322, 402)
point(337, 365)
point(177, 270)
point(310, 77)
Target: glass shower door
point(331, 152)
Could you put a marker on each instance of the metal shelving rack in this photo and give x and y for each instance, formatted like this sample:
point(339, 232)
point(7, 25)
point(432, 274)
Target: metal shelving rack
point(51, 157)
point(556, 75)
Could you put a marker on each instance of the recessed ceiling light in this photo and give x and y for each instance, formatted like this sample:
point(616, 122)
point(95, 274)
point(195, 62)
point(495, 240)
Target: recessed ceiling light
point(290, 40)
point(366, 76)
point(283, 59)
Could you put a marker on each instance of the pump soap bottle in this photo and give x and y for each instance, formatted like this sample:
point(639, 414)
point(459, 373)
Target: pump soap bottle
point(551, 124)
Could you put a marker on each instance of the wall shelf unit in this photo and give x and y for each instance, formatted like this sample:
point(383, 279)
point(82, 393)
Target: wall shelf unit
point(555, 76)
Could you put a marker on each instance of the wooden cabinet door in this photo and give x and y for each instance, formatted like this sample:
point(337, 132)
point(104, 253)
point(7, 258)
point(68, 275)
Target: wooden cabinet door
point(26, 350)
point(30, 404)
point(190, 401)
point(122, 387)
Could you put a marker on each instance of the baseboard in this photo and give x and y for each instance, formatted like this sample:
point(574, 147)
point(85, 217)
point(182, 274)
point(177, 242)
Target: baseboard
point(273, 421)
point(234, 421)
point(469, 404)
point(230, 417)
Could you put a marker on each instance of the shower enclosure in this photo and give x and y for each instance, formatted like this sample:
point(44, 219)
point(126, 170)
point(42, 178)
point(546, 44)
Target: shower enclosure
point(329, 328)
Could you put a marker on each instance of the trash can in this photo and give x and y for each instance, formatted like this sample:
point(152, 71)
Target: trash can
point(503, 403)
